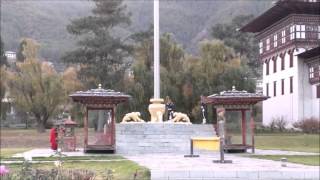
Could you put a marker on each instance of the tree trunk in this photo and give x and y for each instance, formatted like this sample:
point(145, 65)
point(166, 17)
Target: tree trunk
point(41, 126)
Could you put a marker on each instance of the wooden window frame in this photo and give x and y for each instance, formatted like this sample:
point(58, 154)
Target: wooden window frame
point(291, 84)
point(274, 88)
point(282, 86)
point(291, 59)
point(274, 65)
point(267, 68)
point(282, 63)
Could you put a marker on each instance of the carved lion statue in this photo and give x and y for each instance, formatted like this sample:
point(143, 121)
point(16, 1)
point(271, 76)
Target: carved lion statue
point(132, 117)
point(180, 117)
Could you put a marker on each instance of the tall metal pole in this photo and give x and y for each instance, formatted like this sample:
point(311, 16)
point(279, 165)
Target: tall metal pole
point(156, 49)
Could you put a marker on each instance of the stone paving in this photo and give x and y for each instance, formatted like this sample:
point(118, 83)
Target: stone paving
point(178, 167)
point(49, 152)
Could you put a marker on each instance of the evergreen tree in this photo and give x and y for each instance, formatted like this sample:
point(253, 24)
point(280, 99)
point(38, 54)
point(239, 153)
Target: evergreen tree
point(3, 60)
point(244, 44)
point(20, 56)
point(100, 53)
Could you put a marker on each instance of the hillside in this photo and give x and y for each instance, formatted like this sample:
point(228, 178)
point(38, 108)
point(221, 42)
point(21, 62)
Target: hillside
point(188, 21)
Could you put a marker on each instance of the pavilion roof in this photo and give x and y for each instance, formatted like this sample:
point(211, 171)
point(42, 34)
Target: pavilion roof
point(234, 97)
point(99, 96)
point(280, 10)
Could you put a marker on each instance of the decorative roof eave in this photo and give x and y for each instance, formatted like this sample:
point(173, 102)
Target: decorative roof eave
point(99, 100)
point(232, 101)
point(280, 10)
point(233, 97)
point(315, 52)
point(99, 96)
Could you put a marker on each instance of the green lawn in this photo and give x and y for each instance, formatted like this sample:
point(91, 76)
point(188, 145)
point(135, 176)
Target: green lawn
point(289, 142)
point(8, 152)
point(312, 160)
point(284, 141)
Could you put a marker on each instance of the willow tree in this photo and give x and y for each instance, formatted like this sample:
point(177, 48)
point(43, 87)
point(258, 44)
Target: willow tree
point(35, 86)
point(99, 51)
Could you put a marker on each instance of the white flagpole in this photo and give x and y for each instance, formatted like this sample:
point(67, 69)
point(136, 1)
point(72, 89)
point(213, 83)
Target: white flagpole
point(156, 46)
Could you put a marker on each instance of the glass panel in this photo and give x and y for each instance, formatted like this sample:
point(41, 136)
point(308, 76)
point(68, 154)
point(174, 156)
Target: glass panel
point(233, 127)
point(99, 127)
point(248, 129)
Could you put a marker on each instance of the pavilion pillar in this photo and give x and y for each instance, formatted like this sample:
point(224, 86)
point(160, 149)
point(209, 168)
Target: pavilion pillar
point(252, 130)
point(113, 121)
point(244, 127)
point(85, 124)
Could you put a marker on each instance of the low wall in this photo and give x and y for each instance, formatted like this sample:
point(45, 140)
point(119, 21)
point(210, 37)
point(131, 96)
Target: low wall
point(146, 138)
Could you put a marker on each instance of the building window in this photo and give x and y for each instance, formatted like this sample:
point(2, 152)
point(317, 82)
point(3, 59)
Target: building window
point(267, 67)
point(267, 89)
point(275, 88)
point(311, 72)
point(275, 40)
point(268, 44)
point(275, 65)
point(282, 62)
point(282, 86)
point(300, 31)
point(291, 84)
point(291, 58)
point(292, 32)
point(283, 36)
point(318, 32)
point(318, 91)
point(260, 47)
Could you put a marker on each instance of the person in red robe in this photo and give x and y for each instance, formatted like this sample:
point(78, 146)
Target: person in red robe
point(53, 138)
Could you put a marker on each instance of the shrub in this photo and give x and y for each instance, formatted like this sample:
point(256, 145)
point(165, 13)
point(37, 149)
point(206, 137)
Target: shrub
point(281, 124)
point(272, 125)
point(278, 123)
point(308, 125)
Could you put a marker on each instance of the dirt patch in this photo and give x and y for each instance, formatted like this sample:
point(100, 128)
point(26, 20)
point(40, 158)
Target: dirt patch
point(30, 138)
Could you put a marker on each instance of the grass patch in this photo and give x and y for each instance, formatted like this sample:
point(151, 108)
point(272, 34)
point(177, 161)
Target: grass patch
point(312, 160)
point(121, 169)
point(289, 142)
point(9, 152)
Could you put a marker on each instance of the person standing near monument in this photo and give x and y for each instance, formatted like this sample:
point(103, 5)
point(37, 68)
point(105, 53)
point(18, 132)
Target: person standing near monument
point(169, 107)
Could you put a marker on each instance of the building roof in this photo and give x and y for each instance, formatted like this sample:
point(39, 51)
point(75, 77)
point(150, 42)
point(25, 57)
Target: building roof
point(99, 96)
point(234, 97)
point(280, 10)
point(310, 53)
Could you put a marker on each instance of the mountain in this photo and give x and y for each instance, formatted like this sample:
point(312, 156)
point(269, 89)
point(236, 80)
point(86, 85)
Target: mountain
point(189, 21)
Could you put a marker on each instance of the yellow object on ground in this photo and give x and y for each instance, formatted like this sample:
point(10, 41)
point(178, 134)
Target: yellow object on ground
point(206, 143)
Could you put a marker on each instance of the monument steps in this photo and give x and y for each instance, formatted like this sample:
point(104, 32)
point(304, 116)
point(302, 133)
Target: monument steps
point(146, 138)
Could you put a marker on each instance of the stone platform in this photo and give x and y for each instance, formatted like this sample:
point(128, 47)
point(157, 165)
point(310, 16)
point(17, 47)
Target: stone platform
point(150, 138)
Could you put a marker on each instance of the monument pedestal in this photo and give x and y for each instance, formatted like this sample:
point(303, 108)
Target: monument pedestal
point(168, 138)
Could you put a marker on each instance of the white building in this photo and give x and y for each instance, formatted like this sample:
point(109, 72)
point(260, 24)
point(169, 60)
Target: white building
point(285, 32)
point(11, 56)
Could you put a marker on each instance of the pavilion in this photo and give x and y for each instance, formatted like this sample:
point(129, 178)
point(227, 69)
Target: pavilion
point(237, 101)
point(99, 119)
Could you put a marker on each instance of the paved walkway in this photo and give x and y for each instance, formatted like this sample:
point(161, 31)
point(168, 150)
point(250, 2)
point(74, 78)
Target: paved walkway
point(173, 166)
point(49, 152)
point(179, 167)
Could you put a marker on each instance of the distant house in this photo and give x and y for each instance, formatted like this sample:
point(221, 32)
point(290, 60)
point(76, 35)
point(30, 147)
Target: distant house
point(289, 36)
point(11, 56)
